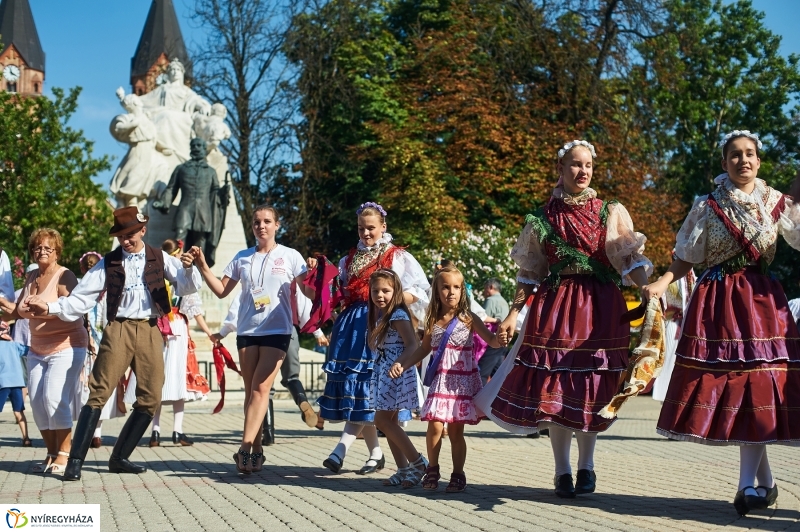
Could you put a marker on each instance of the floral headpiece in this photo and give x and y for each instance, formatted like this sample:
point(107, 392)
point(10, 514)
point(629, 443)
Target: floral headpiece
point(89, 254)
point(739, 133)
point(570, 145)
point(372, 204)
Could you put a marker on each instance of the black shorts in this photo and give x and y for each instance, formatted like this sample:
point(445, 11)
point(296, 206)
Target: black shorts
point(278, 341)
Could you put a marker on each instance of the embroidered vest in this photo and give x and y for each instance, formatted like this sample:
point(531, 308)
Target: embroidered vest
point(153, 280)
point(360, 264)
point(574, 236)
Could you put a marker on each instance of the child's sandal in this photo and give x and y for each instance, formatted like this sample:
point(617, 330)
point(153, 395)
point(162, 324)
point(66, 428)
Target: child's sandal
point(415, 471)
point(397, 478)
point(458, 483)
point(431, 479)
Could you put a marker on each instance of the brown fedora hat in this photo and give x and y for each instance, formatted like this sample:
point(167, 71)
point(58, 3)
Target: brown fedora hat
point(128, 220)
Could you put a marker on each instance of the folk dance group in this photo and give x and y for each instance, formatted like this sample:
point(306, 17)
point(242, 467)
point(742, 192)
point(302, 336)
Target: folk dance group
point(734, 377)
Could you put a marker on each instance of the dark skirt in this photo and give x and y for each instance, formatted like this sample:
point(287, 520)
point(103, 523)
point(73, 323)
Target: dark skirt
point(349, 370)
point(737, 366)
point(568, 368)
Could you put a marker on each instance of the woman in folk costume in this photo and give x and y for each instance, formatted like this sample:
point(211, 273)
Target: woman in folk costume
point(182, 379)
point(674, 300)
point(566, 365)
point(737, 371)
point(351, 361)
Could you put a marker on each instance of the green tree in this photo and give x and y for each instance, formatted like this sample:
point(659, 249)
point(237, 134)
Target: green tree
point(46, 171)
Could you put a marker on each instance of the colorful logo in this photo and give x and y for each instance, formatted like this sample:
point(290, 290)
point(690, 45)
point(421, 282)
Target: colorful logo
point(18, 517)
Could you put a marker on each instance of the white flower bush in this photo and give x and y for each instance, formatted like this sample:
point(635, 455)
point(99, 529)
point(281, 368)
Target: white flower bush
point(480, 254)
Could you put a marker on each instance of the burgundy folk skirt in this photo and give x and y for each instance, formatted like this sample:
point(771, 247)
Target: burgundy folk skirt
point(737, 366)
point(568, 367)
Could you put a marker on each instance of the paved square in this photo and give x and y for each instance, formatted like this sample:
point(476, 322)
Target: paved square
point(644, 481)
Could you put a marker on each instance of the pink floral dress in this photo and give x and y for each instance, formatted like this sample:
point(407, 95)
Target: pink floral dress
point(456, 382)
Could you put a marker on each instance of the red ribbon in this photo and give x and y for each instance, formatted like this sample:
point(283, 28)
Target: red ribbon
point(222, 358)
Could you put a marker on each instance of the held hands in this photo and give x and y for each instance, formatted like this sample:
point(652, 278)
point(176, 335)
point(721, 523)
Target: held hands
point(396, 370)
point(215, 338)
point(197, 256)
point(502, 338)
point(35, 305)
point(311, 263)
point(506, 329)
point(187, 259)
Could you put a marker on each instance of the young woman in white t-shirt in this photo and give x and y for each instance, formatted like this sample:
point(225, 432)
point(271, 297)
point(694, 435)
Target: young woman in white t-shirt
point(264, 326)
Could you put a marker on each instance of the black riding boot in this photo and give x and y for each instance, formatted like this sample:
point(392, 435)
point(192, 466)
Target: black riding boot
point(268, 437)
point(295, 387)
point(84, 430)
point(128, 438)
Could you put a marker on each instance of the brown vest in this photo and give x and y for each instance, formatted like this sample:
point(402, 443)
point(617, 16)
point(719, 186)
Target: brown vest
point(153, 279)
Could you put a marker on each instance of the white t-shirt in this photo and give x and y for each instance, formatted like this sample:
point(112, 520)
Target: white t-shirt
point(274, 272)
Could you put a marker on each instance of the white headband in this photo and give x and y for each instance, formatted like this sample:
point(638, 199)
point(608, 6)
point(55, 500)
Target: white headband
point(570, 145)
point(739, 133)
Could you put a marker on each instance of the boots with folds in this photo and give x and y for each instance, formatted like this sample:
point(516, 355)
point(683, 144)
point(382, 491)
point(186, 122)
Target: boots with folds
point(268, 437)
point(84, 430)
point(129, 437)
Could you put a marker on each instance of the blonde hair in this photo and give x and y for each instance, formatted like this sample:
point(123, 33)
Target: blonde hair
point(378, 328)
point(51, 234)
point(435, 312)
point(372, 211)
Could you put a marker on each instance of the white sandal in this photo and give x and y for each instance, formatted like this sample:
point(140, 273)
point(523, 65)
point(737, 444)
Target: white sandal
point(55, 468)
point(414, 474)
point(397, 478)
point(42, 466)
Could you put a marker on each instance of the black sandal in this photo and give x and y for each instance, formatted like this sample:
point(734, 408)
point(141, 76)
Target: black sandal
point(431, 480)
point(258, 461)
point(240, 466)
point(458, 483)
point(26, 442)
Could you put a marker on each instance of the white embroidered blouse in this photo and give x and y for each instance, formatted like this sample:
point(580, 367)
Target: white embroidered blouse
point(704, 239)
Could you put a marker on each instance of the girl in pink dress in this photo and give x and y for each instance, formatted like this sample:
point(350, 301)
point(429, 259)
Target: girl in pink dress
point(456, 376)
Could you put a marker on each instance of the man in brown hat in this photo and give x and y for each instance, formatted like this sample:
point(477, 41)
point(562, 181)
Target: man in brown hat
point(137, 304)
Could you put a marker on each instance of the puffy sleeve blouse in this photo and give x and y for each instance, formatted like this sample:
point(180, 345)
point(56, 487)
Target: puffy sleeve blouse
point(624, 248)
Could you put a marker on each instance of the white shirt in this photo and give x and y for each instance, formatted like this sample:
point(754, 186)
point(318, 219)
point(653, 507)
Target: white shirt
point(274, 272)
point(6, 281)
point(303, 311)
point(136, 302)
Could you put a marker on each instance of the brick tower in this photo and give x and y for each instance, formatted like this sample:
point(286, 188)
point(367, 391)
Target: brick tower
point(22, 57)
point(160, 43)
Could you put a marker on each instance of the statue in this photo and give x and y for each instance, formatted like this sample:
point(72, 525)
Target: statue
point(173, 107)
point(201, 198)
point(214, 130)
point(145, 160)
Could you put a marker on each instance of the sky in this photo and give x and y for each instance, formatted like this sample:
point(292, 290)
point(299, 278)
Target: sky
point(89, 43)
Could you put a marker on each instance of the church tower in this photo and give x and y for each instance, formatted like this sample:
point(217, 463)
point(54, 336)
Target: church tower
point(160, 43)
point(22, 57)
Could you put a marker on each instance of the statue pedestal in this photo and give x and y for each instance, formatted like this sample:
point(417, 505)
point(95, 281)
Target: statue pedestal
point(159, 228)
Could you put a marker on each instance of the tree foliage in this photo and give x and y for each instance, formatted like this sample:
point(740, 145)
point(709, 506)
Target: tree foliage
point(46, 171)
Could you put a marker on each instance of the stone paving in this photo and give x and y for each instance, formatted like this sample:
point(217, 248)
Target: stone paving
point(644, 482)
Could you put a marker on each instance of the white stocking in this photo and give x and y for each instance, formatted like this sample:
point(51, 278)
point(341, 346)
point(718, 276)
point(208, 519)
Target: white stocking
point(586, 443)
point(177, 411)
point(157, 420)
point(373, 443)
point(349, 435)
point(560, 440)
point(750, 457)
point(764, 474)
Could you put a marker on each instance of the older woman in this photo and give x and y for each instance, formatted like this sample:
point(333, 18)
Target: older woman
point(57, 350)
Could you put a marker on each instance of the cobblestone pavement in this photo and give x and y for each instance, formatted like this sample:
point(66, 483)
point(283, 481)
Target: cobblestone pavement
point(644, 482)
